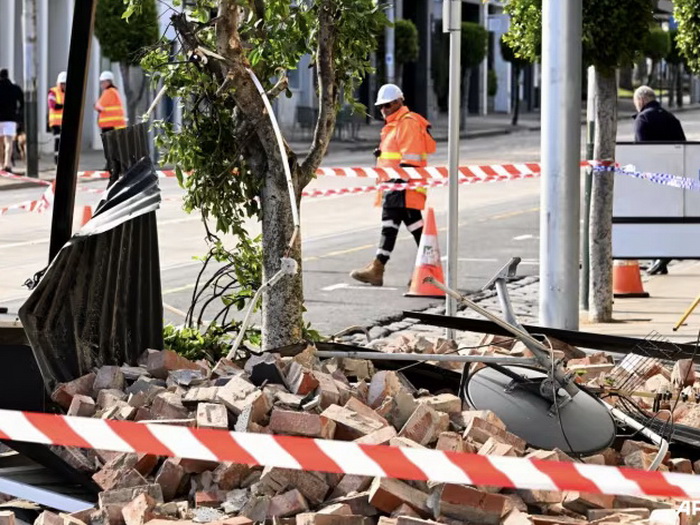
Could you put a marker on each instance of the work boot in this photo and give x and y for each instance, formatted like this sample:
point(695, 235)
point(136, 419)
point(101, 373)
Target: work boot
point(372, 274)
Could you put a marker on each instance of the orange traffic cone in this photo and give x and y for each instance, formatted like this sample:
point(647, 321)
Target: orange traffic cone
point(428, 262)
point(87, 215)
point(627, 281)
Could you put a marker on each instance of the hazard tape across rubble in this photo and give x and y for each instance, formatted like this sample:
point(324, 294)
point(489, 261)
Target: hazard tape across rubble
point(342, 456)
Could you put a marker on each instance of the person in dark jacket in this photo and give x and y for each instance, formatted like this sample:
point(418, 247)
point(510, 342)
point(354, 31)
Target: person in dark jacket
point(654, 124)
point(11, 110)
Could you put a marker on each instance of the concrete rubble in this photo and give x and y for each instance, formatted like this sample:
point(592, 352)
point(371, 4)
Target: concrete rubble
point(342, 399)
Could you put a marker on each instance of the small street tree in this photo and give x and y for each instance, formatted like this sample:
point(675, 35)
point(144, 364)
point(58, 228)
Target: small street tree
point(687, 14)
point(125, 42)
point(676, 66)
point(474, 41)
point(657, 44)
point(228, 142)
point(406, 44)
point(606, 50)
point(517, 64)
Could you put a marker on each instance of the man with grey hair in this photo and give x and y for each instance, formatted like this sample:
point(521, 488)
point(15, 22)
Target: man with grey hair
point(655, 124)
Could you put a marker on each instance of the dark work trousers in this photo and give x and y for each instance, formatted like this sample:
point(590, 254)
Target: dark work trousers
point(56, 130)
point(391, 222)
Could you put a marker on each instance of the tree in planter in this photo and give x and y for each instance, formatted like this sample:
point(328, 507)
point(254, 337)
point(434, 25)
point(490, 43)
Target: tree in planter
point(124, 41)
point(518, 64)
point(228, 142)
point(676, 65)
point(606, 50)
point(406, 44)
point(474, 41)
point(656, 46)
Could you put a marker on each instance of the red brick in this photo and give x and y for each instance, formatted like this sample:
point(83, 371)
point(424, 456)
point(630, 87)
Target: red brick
point(349, 424)
point(425, 425)
point(480, 430)
point(327, 389)
point(108, 378)
point(169, 477)
point(145, 463)
point(300, 380)
point(448, 403)
point(386, 494)
point(255, 413)
point(359, 504)
point(305, 424)
point(378, 437)
point(287, 504)
point(351, 483)
point(119, 473)
point(161, 363)
point(463, 418)
point(384, 383)
point(358, 406)
point(63, 394)
point(493, 447)
point(210, 415)
point(581, 502)
point(229, 476)
point(200, 394)
point(197, 466)
point(452, 442)
point(234, 520)
point(683, 373)
point(82, 406)
point(209, 498)
point(234, 393)
point(168, 405)
point(336, 509)
point(139, 511)
point(49, 518)
point(110, 398)
point(7, 517)
point(325, 519)
point(465, 503)
point(404, 510)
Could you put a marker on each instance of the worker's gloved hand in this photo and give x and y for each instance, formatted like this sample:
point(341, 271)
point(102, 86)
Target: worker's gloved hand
point(377, 152)
point(58, 106)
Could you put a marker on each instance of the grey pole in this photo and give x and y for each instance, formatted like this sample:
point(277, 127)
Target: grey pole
point(588, 185)
point(29, 15)
point(452, 23)
point(389, 44)
point(561, 143)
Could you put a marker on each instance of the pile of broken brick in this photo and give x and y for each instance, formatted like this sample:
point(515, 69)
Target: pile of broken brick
point(342, 399)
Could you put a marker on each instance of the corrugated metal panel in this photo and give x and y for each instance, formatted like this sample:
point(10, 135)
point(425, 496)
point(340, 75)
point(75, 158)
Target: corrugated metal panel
point(100, 300)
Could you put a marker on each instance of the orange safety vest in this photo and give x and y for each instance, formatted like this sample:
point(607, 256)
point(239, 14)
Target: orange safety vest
point(56, 115)
point(112, 114)
point(405, 140)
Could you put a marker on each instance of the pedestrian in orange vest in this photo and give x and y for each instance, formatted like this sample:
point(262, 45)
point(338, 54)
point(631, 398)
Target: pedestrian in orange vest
point(109, 107)
point(56, 99)
point(405, 142)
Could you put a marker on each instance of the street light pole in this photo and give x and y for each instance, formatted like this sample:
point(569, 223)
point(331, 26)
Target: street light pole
point(561, 143)
point(29, 16)
point(389, 51)
point(452, 24)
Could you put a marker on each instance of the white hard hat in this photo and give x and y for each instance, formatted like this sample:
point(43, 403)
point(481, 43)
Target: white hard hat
point(106, 75)
point(61, 79)
point(388, 93)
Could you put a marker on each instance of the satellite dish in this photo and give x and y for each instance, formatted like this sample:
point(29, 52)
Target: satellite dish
point(588, 426)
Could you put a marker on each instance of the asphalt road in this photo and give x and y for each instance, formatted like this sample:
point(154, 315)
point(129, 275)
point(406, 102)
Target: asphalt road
point(497, 221)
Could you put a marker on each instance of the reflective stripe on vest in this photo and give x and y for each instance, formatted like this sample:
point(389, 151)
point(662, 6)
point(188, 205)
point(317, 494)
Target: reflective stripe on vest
point(390, 155)
point(112, 114)
point(56, 115)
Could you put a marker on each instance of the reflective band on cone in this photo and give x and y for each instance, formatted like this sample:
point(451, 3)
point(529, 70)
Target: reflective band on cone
point(428, 262)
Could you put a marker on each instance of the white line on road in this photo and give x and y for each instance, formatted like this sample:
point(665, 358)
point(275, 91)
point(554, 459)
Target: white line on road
point(346, 286)
point(523, 237)
point(24, 243)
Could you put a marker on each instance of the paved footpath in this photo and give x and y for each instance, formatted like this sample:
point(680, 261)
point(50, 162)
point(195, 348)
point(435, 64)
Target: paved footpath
point(655, 316)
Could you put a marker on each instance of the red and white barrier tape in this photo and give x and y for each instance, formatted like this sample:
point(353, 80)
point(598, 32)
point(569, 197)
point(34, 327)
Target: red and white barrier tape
point(342, 456)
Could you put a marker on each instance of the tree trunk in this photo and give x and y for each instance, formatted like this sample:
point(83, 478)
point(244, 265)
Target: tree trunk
point(516, 95)
point(464, 105)
point(652, 71)
point(672, 69)
point(283, 303)
point(600, 310)
point(679, 85)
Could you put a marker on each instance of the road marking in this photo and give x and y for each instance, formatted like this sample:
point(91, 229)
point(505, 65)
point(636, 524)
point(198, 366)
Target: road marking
point(178, 289)
point(177, 221)
point(24, 243)
point(346, 286)
point(523, 237)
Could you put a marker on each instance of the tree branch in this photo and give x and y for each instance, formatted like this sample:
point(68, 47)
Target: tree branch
point(328, 93)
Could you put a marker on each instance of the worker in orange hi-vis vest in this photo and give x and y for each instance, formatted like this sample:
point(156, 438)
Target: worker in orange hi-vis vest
point(109, 106)
point(56, 99)
point(405, 142)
